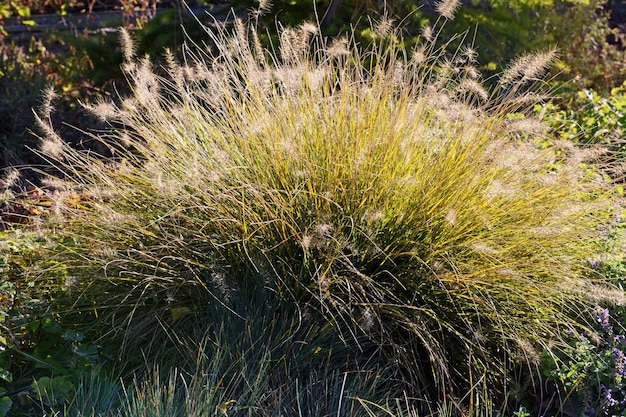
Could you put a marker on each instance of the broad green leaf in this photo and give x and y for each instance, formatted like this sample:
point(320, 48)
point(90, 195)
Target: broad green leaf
point(73, 335)
point(5, 11)
point(22, 11)
point(6, 375)
point(49, 325)
point(5, 406)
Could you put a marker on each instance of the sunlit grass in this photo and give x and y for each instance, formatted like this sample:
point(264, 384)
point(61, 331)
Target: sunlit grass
point(384, 191)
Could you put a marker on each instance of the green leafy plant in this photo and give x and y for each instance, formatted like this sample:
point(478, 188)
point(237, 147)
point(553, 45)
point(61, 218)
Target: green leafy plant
point(17, 9)
point(40, 359)
point(21, 77)
point(53, 390)
point(592, 372)
point(7, 294)
point(589, 58)
point(590, 118)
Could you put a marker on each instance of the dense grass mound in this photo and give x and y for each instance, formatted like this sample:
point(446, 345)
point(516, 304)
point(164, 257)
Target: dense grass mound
point(384, 191)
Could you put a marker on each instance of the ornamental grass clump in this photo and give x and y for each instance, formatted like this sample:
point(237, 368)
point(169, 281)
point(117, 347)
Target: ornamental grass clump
point(384, 190)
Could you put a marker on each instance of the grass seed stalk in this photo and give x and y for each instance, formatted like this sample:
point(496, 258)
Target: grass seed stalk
point(398, 196)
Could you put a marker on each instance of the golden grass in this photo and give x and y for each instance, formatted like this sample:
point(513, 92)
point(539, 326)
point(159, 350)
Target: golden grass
point(390, 191)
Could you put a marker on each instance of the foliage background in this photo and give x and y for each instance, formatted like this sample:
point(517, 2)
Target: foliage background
point(589, 109)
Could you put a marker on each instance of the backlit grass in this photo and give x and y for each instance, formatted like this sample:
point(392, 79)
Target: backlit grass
point(382, 190)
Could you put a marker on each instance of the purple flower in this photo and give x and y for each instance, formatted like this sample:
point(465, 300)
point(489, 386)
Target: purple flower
point(603, 318)
point(609, 401)
point(595, 264)
point(620, 362)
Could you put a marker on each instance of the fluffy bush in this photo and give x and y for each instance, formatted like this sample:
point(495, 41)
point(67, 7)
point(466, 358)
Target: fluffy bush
point(385, 191)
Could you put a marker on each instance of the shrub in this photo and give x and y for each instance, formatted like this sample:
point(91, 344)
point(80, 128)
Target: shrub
point(591, 50)
point(579, 28)
point(589, 119)
point(383, 190)
point(21, 81)
point(592, 372)
point(36, 348)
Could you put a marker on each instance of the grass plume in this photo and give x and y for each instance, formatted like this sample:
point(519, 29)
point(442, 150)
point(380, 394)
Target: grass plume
point(385, 193)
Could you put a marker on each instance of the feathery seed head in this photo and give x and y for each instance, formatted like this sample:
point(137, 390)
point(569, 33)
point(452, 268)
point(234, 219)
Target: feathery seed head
point(321, 240)
point(527, 67)
point(70, 283)
point(11, 177)
point(52, 146)
point(173, 68)
point(528, 351)
point(306, 242)
point(128, 45)
point(470, 54)
point(289, 45)
point(398, 74)
point(265, 6)
point(202, 73)
point(46, 108)
point(483, 248)
point(103, 110)
point(418, 56)
point(451, 217)
point(526, 126)
point(472, 73)
point(338, 48)
point(295, 43)
point(51, 143)
point(259, 52)
point(384, 27)
point(473, 87)
point(323, 230)
point(497, 190)
point(428, 33)
point(147, 85)
point(447, 8)
point(598, 293)
point(372, 217)
point(240, 39)
point(55, 183)
point(308, 29)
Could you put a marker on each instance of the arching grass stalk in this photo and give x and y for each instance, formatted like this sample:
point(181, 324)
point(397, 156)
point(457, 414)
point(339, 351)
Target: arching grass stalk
point(384, 188)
